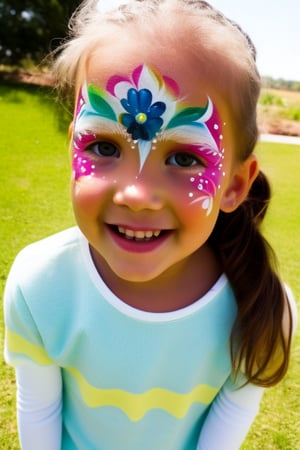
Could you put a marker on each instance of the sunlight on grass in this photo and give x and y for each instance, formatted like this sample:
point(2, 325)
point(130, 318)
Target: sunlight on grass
point(35, 163)
point(35, 202)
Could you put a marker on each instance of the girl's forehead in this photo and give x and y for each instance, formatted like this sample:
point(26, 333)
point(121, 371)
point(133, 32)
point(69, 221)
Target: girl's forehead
point(173, 74)
point(121, 58)
point(199, 68)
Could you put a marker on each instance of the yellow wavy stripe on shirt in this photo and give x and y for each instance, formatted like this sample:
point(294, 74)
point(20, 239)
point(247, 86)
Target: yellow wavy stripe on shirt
point(17, 344)
point(135, 406)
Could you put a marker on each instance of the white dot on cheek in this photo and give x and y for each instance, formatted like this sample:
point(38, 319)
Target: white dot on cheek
point(191, 195)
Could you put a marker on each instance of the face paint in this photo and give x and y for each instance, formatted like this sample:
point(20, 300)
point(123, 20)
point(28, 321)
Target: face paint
point(82, 165)
point(145, 109)
point(207, 182)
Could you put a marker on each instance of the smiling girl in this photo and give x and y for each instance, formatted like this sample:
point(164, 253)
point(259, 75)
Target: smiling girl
point(157, 321)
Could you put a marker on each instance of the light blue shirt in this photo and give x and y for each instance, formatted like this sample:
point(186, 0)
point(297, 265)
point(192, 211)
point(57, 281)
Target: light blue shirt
point(131, 379)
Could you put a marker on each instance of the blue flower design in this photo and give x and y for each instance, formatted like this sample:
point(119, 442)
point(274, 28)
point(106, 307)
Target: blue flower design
point(142, 119)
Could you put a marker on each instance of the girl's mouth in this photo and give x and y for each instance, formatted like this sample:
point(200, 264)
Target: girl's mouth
point(138, 240)
point(138, 235)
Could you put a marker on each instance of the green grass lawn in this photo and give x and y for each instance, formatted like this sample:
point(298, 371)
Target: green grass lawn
point(34, 203)
point(34, 199)
point(277, 425)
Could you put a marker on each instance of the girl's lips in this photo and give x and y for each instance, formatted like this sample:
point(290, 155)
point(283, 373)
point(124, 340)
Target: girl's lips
point(137, 241)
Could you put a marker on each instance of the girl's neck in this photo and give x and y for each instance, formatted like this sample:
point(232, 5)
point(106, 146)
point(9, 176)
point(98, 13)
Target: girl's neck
point(178, 287)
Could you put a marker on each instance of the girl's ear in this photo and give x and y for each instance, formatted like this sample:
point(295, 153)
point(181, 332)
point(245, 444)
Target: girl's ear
point(240, 184)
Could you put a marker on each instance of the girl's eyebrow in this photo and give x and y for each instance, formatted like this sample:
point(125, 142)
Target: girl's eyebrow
point(99, 125)
point(191, 135)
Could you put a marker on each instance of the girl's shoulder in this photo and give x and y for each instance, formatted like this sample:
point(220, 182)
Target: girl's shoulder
point(43, 255)
point(49, 245)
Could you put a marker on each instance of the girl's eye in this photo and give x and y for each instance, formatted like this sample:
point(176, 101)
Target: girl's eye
point(104, 148)
point(183, 160)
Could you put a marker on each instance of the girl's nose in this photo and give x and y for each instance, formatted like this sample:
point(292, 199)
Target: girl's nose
point(139, 196)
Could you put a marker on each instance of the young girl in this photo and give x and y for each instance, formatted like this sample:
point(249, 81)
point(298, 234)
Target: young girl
point(156, 323)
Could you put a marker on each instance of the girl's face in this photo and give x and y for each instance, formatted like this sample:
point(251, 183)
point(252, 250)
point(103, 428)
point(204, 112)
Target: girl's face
point(152, 163)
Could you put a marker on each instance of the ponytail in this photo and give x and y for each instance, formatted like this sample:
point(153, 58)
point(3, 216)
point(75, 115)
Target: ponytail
point(259, 345)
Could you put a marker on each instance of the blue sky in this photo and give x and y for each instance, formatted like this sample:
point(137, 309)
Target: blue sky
point(274, 27)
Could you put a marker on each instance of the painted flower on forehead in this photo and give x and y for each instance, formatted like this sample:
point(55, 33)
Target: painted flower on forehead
point(143, 119)
point(148, 100)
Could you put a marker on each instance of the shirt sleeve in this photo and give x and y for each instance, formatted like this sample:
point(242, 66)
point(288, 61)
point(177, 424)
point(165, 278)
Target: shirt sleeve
point(39, 405)
point(230, 416)
point(38, 378)
point(293, 309)
point(23, 343)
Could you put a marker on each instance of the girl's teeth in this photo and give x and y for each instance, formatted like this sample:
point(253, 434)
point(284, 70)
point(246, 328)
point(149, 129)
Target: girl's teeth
point(139, 235)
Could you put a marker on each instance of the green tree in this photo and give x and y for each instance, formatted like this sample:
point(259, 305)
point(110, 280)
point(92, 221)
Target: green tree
point(30, 29)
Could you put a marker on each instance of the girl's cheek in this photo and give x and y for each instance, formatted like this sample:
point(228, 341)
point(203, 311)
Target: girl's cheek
point(89, 191)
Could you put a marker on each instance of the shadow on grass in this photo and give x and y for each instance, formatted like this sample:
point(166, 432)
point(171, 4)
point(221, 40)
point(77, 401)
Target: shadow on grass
point(12, 92)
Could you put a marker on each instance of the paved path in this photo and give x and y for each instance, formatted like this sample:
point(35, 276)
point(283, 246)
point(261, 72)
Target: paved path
point(280, 139)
